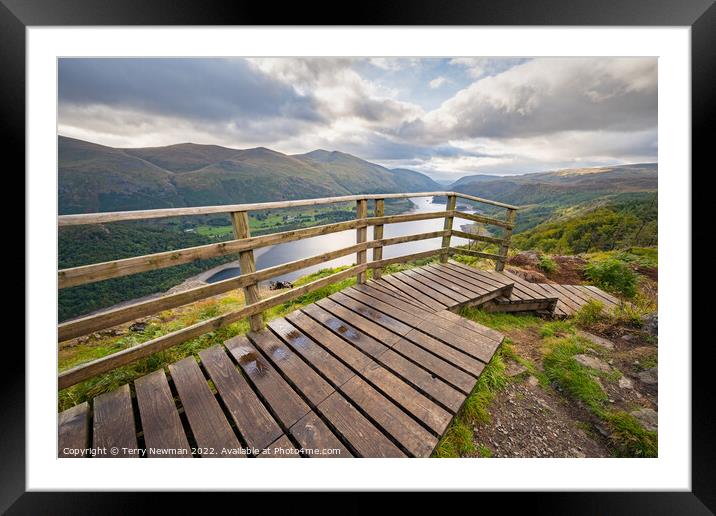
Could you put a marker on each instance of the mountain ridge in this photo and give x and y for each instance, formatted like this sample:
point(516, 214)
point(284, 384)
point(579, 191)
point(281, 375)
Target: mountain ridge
point(94, 177)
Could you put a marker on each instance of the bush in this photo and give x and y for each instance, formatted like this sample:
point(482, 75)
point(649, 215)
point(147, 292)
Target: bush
point(613, 275)
point(589, 314)
point(547, 264)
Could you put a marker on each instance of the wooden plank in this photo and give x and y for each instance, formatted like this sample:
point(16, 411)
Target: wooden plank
point(486, 201)
point(566, 300)
point(507, 236)
point(113, 317)
point(430, 362)
point(413, 280)
point(254, 422)
point(412, 437)
point(380, 410)
point(406, 396)
point(438, 283)
point(365, 439)
point(296, 371)
point(475, 236)
point(577, 294)
point(449, 320)
point(410, 315)
point(81, 275)
point(388, 383)
point(368, 312)
point(104, 364)
point(378, 211)
point(73, 431)
point(409, 291)
point(482, 349)
point(465, 289)
point(486, 283)
point(450, 208)
point(390, 290)
point(381, 334)
point(212, 432)
point(240, 222)
point(113, 427)
point(478, 286)
point(335, 345)
point(453, 355)
point(100, 218)
point(317, 440)
point(483, 219)
point(161, 425)
point(604, 295)
point(285, 403)
point(435, 365)
point(494, 278)
point(526, 289)
point(332, 368)
point(281, 448)
point(361, 237)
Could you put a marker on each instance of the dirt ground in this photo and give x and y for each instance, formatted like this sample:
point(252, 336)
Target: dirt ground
point(532, 420)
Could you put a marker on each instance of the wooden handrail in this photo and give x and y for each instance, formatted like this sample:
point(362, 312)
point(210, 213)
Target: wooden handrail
point(116, 216)
point(244, 244)
point(102, 365)
point(84, 274)
point(106, 319)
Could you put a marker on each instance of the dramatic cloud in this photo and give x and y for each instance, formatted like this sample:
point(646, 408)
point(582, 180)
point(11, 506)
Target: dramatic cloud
point(445, 117)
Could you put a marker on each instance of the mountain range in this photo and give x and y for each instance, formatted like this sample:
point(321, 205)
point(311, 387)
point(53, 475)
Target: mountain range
point(94, 178)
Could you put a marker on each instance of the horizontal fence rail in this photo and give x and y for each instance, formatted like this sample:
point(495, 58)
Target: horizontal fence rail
point(243, 245)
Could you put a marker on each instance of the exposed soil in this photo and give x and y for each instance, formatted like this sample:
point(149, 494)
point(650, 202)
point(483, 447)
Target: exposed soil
point(531, 420)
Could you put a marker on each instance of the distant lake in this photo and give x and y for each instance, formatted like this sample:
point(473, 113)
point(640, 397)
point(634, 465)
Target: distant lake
point(290, 251)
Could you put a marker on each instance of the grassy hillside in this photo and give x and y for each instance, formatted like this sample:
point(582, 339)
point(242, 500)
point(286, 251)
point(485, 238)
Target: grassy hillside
point(549, 194)
point(98, 178)
point(611, 223)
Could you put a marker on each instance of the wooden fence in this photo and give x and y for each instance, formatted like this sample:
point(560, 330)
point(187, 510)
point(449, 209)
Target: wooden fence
point(243, 245)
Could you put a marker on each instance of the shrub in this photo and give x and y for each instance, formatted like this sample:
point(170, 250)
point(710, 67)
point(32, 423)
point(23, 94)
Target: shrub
point(589, 314)
point(547, 264)
point(613, 275)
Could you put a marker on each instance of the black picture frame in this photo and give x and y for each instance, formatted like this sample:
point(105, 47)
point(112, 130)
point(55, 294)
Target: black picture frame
point(700, 15)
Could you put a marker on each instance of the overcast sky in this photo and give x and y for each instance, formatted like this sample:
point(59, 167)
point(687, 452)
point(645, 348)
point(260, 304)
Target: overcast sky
point(444, 117)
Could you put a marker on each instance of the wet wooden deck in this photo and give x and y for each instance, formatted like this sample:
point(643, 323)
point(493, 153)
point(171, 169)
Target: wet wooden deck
point(376, 370)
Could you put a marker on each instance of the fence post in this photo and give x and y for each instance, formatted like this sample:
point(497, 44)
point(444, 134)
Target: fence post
point(450, 207)
point(506, 237)
point(240, 221)
point(379, 211)
point(361, 236)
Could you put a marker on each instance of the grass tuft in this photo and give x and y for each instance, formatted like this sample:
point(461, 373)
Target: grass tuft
point(630, 439)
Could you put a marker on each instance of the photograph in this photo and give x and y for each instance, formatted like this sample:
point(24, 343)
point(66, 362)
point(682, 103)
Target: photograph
point(358, 257)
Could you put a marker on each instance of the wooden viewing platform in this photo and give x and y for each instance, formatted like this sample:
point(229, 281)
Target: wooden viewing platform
point(377, 370)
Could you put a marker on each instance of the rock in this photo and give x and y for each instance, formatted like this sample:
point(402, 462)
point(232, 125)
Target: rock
point(513, 369)
point(532, 381)
point(625, 383)
point(627, 337)
point(139, 326)
point(278, 285)
point(593, 362)
point(651, 324)
point(523, 258)
point(648, 418)
point(596, 339)
point(531, 276)
point(649, 376)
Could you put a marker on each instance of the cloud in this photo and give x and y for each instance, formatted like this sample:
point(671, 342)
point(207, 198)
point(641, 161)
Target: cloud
point(445, 117)
point(195, 88)
point(437, 82)
point(544, 96)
